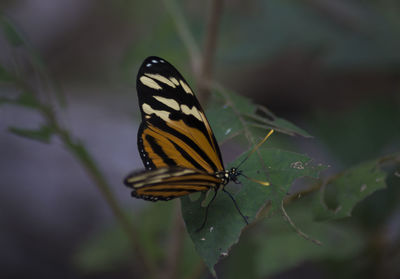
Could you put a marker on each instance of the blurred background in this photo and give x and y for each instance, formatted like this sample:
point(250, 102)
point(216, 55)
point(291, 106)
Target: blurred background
point(331, 67)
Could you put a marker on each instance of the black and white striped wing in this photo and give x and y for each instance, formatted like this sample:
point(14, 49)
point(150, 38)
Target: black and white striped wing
point(174, 129)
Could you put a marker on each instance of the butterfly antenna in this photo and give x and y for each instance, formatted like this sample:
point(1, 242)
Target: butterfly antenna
point(205, 217)
point(256, 147)
point(264, 183)
point(237, 207)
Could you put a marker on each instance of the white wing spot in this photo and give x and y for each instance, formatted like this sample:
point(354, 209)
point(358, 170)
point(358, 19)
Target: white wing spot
point(174, 81)
point(164, 115)
point(162, 61)
point(148, 65)
point(168, 102)
point(161, 79)
point(185, 87)
point(149, 82)
point(193, 111)
point(154, 61)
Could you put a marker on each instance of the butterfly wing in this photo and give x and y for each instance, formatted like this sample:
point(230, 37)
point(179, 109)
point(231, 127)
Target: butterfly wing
point(168, 183)
point(174, 129)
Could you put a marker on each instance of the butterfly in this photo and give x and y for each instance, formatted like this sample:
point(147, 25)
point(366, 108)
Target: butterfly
point(175, 140)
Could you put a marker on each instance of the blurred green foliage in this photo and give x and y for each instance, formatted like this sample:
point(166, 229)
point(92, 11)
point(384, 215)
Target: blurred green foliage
point(360, 231)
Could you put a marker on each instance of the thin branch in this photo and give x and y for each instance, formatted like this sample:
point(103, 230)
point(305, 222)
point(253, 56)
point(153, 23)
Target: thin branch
point(293, 225)
point(202, 65)
point(184, 33)
point(176, 242)
point(210, 44)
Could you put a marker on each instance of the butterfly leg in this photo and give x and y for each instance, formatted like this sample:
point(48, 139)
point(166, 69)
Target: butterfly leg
point(237, 207)
point(205, 217)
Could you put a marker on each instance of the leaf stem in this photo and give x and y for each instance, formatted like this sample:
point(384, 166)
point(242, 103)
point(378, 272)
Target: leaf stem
point(293, 225)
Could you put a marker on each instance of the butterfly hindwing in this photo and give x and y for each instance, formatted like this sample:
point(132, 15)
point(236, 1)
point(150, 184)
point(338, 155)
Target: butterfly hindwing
point(168, 183)
point(174, 129)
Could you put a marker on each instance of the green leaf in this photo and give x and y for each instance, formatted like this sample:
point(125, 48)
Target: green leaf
point(43, 134)
point(10, 32)
point(224, 224)
point(238, 115)
point(344, 191)
point(273, 246)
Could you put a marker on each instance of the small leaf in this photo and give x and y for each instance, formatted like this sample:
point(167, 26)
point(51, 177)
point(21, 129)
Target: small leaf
point(348, 188)
point(24, 99)
point(236, 113)
point(224, 224)
point(28, 100)
point(43, 134)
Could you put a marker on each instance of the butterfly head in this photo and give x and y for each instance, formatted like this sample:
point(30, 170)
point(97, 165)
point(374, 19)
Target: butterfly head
point(232, 174)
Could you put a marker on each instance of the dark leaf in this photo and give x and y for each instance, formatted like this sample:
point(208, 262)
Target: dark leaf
point(345, 190)
point(224, 224)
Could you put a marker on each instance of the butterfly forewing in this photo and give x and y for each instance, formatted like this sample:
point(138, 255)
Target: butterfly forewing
point(174, 129)
point(168, 183)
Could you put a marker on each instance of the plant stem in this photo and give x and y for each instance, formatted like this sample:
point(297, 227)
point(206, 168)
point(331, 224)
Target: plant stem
point(80, 153)
point(184, 33)
point(175, 244)
point(210, 44)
